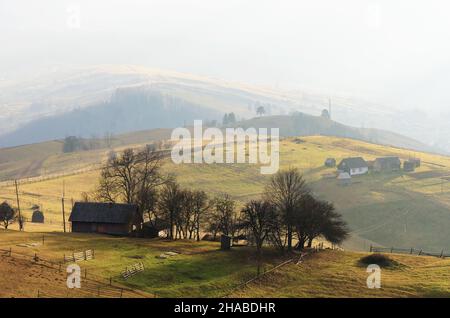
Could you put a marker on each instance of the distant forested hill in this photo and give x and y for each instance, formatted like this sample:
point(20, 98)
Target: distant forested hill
point(300, 124)
point(129, 109)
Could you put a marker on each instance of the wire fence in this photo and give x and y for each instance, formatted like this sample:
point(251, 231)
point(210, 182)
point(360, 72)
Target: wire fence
point(10, 183)
point(410, 251)
point(165, 153)
point(293, 260)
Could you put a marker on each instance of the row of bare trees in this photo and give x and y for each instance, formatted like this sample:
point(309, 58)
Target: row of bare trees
point(287, 216)
point(135, 177)
point(188, 212)
point(288, 211)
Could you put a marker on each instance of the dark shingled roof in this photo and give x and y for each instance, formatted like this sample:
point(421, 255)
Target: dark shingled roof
point(353, 163)
point(93, 212)
point(388, 160)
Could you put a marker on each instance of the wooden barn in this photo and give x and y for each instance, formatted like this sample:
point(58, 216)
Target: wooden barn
point(409, 166)
point(105, 218)
point(417, 162)
point(387, 164)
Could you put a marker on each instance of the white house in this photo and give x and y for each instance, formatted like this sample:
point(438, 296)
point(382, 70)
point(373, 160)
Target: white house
point(354, 166)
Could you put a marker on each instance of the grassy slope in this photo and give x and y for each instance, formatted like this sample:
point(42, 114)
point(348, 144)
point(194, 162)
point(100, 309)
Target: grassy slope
point(338, 274)
point(48, 158)
point(404, 210)
point(202, 270)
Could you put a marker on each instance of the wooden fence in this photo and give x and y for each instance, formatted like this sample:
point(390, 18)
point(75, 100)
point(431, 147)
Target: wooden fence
point(94, 286)
point(132, 270)
point(79, 256)
point(410, 251)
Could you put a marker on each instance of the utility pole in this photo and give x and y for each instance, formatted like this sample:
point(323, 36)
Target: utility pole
point(62, 204)
point(18, 204)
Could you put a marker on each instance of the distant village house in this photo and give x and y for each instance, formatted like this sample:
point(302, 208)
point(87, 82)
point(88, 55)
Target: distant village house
point(387, 164)
point(354, 166)
point(417, 162)
point(330, 162)
point(409, 166)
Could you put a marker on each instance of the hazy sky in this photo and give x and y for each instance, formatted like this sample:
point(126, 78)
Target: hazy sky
point(396, 52)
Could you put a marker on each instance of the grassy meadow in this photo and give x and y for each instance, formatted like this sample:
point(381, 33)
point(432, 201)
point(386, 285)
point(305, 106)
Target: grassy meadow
point(389, 209)
point(201, 269)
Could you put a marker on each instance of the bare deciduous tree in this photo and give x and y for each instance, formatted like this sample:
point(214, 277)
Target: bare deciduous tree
point(200, 209)
point(223, 216)
point(286, 191)
point(132, 177)
point(258, 217)
point(170, 205)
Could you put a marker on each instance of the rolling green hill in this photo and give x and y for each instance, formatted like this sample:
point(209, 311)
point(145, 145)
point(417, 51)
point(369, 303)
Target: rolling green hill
point(201, 269)
point(397, 209)
point(48, 158)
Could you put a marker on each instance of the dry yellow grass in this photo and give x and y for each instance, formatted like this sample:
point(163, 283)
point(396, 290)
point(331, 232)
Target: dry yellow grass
point(338, 274)
point(202, 270)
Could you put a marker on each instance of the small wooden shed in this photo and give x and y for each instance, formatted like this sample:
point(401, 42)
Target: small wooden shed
point(37, 217)
point(225, 242)
point(330, 163)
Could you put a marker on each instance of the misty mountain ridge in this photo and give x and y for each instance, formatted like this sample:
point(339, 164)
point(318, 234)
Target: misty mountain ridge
point(143, 108)
point(114, 99)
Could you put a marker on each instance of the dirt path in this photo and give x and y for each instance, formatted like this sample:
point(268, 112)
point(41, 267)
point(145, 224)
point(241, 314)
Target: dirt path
point(31, 170)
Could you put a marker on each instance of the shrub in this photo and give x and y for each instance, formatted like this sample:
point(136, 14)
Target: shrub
point(379, 259)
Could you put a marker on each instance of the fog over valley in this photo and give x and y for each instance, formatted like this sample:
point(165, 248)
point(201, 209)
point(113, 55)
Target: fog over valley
point(382, 64)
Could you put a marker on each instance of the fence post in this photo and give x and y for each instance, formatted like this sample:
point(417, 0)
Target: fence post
point(43, 239)
point(110, 281)
point(392, 249)
point(370, 248)
point(442, 254)
point(10, 252)
point(59, 266)
point(121, 292)
point(85, 257)
point(38, 296)
point(420, 252)
point(411, 251)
